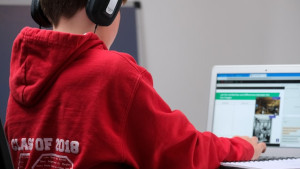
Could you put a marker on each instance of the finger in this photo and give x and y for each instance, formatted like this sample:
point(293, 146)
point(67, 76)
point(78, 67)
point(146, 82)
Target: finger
point(255, 139)
point(263, 147)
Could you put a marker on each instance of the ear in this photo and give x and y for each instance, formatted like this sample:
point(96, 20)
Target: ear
point(38, 15)
point(103, 12)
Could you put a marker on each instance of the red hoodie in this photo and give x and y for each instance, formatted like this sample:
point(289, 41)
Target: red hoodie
point(75, 104)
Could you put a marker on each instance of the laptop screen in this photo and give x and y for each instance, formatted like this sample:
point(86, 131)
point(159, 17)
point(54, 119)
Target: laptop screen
point(265, 105)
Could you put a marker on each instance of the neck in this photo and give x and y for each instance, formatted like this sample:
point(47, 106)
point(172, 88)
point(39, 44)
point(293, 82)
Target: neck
point(78, 24)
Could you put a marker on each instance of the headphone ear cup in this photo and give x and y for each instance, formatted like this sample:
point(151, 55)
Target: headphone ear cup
point(38, 15)
point(103, 12)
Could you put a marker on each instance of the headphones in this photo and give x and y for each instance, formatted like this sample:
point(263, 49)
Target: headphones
point(100, 12)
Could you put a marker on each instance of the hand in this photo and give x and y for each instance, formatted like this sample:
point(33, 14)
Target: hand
point(258, 147)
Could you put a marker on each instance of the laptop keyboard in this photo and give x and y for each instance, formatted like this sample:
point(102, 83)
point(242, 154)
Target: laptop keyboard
point(268, 158)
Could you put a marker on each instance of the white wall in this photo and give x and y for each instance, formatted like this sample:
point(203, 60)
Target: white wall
point(182, 40)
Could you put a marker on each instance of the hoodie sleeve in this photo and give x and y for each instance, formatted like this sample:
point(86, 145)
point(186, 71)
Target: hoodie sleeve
point(157, 137)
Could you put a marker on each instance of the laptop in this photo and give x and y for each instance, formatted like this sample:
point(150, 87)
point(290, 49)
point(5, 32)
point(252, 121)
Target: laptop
point(257, 100)
point(5, 158)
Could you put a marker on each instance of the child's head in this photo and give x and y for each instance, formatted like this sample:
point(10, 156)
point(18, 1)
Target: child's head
point(55, 9)
point(70, 16)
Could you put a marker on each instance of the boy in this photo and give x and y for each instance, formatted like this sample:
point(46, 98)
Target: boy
point(75, 104)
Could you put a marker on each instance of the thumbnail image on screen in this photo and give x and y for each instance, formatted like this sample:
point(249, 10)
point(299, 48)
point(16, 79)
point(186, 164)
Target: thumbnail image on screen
point(266, 109)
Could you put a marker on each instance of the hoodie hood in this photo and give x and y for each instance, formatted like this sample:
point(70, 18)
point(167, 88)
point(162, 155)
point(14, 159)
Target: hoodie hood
point(39, 56)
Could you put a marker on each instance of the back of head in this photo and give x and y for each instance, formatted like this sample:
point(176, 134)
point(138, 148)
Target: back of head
point(54, 9)
point(101, 12)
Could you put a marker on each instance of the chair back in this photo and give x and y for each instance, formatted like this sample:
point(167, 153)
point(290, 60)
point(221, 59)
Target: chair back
point(5, 158)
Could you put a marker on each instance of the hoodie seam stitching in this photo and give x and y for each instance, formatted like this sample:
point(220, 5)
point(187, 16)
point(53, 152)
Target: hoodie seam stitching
point(25, 69)
point(127, 111)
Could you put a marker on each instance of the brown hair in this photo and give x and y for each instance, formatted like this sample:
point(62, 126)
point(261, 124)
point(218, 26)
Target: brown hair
point(54, 9)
